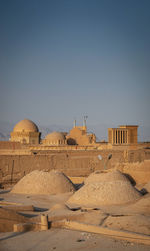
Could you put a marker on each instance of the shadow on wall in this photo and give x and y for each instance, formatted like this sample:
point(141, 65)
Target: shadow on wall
point(71, 141)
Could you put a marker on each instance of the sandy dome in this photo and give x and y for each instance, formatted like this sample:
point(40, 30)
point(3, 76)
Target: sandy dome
point(106, 175)
point(25, 125)
point(54, 136)
point(105, 193)
point(39, 182)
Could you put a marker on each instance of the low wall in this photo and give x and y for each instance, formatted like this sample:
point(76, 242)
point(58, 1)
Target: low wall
point(72, 163)
point(8, 145)
point(140, 172)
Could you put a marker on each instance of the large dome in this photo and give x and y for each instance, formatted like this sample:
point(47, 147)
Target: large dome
point(25, 125)
point(39, 182)
point(55, 136)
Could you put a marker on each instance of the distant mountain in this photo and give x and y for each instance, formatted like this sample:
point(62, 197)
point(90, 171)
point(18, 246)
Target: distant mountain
point(99, 130)
point(5, 129)
point(2, 136)
point(51, 128)
point(144, 133)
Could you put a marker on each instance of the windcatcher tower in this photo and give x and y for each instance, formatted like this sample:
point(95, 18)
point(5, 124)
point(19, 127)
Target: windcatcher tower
point(124, 135)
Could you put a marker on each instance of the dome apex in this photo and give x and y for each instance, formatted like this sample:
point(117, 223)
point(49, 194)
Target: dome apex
point(25, 125)
point(55, 136)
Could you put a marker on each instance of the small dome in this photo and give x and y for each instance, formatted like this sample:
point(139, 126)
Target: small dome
point(25, 125)
point(55, 136)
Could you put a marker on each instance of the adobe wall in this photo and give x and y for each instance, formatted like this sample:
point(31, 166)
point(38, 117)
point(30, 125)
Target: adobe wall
point(72, 163)
point(8, 145)
point(139, 171)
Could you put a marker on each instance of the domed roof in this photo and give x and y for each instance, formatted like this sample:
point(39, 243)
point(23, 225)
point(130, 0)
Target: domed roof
point(26, 125)
point(39, 182)
point(55, 136)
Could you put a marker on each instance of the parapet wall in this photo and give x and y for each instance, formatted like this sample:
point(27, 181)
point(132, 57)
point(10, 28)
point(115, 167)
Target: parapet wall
point(7, 145)
point(72, 163)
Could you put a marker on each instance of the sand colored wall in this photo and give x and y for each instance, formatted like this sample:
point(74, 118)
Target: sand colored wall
point(7, 145)
point(13, 167)
point(78, 135)
point(139, 171)
point(123, 135)
point(72, 163)
point(26, 137)
point(53, 142)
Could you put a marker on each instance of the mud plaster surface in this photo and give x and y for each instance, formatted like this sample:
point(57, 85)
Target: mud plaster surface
point(54, 206)
point(64, 240)
point(134, 216)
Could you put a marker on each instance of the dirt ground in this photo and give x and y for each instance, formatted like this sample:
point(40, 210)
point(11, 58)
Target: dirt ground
point(64, 240)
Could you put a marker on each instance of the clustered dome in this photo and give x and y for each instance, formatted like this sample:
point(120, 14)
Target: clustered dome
point(55, 136)
point(27, 125)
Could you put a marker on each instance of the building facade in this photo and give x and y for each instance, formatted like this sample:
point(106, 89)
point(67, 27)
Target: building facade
point(78, 136)
point(124, 135)
point(26, 132)
point(54, 139)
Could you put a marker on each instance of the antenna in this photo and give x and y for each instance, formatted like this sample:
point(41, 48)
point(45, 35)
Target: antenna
point(74, 123)
point(84, 120)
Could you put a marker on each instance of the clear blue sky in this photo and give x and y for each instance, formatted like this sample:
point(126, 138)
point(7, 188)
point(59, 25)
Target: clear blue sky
point(60, 60)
